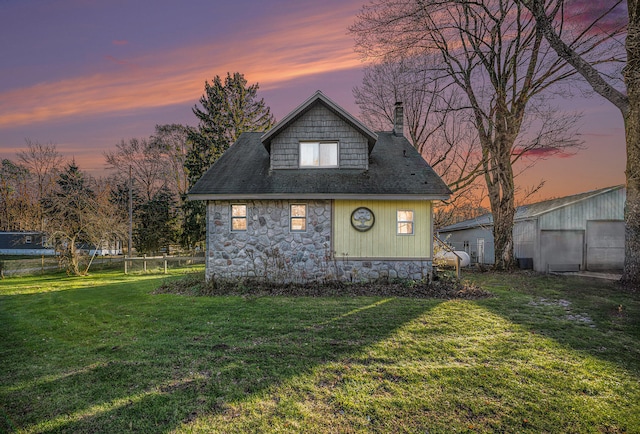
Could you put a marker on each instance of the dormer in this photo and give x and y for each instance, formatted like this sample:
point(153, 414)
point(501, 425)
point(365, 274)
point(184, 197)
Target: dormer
point(319, 134)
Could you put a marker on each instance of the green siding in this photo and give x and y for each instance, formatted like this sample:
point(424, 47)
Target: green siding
point(382, 241)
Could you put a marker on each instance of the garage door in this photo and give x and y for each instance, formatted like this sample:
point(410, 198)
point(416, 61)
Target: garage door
point(561, 250)
point(605, 245)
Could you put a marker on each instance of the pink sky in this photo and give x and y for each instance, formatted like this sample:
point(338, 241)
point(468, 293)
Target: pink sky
point(86, 74)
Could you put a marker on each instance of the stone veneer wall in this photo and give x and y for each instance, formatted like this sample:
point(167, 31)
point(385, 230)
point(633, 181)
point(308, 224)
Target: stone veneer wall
point(267, 249)
point(319, 123)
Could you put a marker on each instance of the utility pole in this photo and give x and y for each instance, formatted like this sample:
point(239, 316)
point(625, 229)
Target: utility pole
point(130, 213)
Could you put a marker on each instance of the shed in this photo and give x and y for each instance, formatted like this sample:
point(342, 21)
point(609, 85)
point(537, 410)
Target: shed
point(579, 232)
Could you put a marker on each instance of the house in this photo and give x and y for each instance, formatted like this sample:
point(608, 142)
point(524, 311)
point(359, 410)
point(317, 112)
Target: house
point(24, 243)
point(580, 232)
point(320, 196)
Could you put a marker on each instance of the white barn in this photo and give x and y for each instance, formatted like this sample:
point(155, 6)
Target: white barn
point(579, 232)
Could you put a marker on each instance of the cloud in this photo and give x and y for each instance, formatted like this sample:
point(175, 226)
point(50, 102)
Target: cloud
point(120, 42)
point(584, 12)
point(291, 47)
point(546, 152)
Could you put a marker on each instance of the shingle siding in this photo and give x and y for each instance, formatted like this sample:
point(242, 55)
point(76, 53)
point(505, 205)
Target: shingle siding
point(319, 123)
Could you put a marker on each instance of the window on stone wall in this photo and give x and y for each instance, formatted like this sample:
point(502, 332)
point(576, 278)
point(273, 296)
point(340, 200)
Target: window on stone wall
point(239, 217)
point(405, 222)
point(318, 154)
point(298, 218)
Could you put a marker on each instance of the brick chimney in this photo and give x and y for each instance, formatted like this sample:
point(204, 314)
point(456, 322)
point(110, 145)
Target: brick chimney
point(398, 121)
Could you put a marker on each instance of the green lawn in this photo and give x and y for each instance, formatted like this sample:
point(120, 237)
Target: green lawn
point(103, 354)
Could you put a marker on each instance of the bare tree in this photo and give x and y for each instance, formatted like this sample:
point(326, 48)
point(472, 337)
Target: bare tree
point(549, 19)
point(144, 161)
point(79, 216)
point(43, 161)
point(16, 209)
point(106, 226)
point(173, 142)
point(492, 51)
point(435, 125)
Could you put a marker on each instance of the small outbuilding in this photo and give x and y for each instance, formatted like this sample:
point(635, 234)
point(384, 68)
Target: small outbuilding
point(320, 196)
point(579, 232)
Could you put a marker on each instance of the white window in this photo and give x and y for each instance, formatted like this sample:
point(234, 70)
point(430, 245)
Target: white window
point(318, 154)
point(298, 218)
point(405, 222)
point(27, 239)
point(238, 217)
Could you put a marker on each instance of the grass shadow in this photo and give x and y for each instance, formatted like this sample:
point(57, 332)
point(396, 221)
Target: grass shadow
point(112, 358)
point(592, 316)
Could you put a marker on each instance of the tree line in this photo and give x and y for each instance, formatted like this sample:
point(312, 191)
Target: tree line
point(147, 185)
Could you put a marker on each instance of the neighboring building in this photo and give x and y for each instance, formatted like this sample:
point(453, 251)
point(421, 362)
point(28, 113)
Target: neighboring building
point(24, 243)
point(580, 232)
point(107, 248)
point(34, 244)
point(320, 196)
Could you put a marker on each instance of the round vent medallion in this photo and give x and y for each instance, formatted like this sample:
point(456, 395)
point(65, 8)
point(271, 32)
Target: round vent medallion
point(362, 219)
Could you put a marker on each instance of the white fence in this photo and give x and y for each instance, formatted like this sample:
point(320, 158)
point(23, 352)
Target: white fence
point(147, 264)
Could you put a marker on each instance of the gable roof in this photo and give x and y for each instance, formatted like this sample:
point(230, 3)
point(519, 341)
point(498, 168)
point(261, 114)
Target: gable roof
point(526, 212)
point(396, 171)
point(318, 98)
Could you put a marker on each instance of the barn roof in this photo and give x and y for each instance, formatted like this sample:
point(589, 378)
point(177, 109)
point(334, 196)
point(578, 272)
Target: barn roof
point(531, 211)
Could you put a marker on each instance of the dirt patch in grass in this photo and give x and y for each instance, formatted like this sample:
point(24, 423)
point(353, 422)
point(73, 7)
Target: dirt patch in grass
point(445, 288)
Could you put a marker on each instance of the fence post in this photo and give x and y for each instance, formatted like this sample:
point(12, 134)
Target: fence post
point(165, 263)
point(144, 263)
point(125, 265)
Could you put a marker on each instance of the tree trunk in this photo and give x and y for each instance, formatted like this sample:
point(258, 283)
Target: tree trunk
point(503, 235)
point(74, 262)
point(631, 275)
point(501, 196)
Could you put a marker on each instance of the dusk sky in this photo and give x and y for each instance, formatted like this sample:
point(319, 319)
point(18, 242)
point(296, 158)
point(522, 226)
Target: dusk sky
point(86, 74)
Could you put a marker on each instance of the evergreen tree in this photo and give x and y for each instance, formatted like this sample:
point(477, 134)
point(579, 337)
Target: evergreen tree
point(227, 110)
point(156, 224)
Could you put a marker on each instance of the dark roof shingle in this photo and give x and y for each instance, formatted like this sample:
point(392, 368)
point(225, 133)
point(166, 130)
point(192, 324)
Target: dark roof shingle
point(396, 170)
